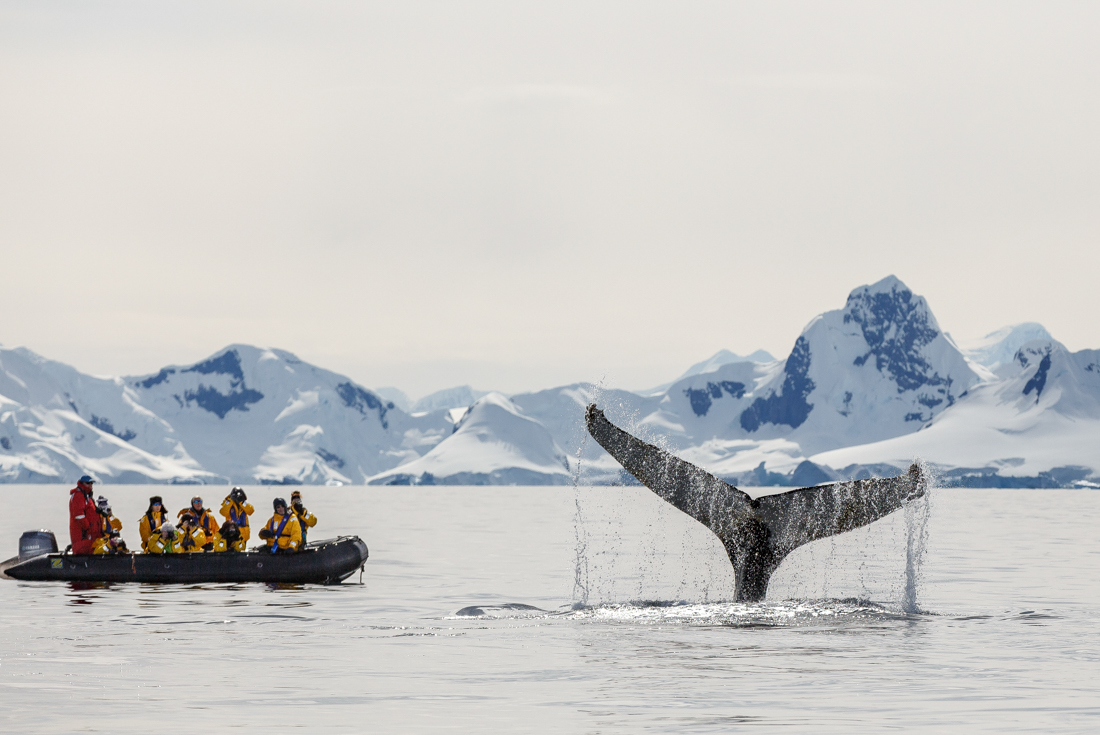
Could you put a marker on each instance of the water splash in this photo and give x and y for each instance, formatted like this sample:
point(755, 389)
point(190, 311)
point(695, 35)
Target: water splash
point(916, 541)
point(580, 531)
point(788, 613)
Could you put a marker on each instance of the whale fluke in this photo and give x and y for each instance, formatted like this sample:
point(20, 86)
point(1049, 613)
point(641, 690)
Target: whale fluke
point(757, 534)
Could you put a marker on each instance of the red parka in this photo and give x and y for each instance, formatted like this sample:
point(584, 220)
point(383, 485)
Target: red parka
point(84, 523)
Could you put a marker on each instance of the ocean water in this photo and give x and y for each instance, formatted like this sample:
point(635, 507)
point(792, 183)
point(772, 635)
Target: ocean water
point(591, 610)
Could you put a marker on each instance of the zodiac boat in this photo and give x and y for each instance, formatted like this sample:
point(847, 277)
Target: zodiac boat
point(320, 562)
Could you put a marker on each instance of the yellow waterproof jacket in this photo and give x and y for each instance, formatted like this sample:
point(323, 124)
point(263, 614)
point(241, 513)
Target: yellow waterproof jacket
point(149, 524)
point(306, 521)
point(206, 521)
point(102, 545)
point(108, 524)
point(289, 537)
point(238, 513)
point(157, 545)
point(192, 540)
point(221, 544)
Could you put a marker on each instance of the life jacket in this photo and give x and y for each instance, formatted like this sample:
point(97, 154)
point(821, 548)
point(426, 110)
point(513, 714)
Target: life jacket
point(204, 520)
point(278, 532)
point(302, 521)
point(237, 514)
point(154, 522)
point(187, 541)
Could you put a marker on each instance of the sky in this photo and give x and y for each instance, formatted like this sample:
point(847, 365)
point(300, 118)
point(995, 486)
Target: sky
point(522, 195)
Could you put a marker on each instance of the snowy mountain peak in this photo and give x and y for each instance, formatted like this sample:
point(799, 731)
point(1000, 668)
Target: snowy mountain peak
point(878, 367)
point(896, 326)
point(458, 397)
point(494, 443)
point(1000, 347)
point(889, 284)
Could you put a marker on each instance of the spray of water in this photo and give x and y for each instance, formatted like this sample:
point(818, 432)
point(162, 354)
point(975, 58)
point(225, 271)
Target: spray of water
point(916, 541)
point(580, 532)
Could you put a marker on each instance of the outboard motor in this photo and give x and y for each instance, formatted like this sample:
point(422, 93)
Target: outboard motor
point(37, 543)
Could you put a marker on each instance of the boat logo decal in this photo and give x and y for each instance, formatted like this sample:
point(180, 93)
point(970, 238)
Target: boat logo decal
point(55, 563)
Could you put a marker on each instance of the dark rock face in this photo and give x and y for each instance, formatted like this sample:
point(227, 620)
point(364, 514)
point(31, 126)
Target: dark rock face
point(331, 459)
point(227, 363)
point(156, 379)
point(362, 401)
point(807, 474)
point(896, 327)
point(789, 406)
point(701, 398)
point(1039, 379)
point(105, 425)
point(205, 397)
point(218, 403)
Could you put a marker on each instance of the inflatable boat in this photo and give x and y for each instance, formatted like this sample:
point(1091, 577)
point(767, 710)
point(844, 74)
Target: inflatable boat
point(319, 562)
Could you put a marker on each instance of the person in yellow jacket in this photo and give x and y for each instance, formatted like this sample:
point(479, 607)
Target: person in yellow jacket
point(236, 508)
point(107, 520)
point(110, 544)
point(151, 522)
point(192, 538)
point(228, 538)
point(165, 541)
point(204, 519)
point(282, 532)
point(306, 520)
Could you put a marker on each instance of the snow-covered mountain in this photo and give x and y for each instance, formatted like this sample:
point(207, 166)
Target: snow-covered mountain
point(715, 361)
point(493, 444)
point(462, 396)
point(998, 348)
point(56, 422)
point(864, 390)
point(1038, 424)
point(880, 367)
point(243, 415)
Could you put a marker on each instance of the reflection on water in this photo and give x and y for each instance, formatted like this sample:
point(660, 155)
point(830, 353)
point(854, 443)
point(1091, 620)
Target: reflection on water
point(466, 621)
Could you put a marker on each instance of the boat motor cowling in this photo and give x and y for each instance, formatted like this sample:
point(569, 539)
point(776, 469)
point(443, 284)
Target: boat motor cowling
point(37, 543)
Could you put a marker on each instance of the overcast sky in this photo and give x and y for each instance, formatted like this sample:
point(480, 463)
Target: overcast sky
point(520, 195)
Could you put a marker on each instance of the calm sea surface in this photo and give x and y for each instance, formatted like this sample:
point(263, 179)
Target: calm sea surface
point(599, 610)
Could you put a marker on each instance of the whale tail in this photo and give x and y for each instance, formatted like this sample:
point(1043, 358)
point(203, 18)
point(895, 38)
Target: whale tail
point(757, 534)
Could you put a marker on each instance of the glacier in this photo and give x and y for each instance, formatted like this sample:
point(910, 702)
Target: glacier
point(865, 389)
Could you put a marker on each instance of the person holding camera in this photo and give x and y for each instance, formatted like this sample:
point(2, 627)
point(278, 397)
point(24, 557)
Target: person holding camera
point(108, 523)
point(192, 538)
point(203, 519)
point(236, 508)
point(282, 533)
point(112, 544)
point(165, 541)
point(228, 538)
point(150, 523)
point(306, 520)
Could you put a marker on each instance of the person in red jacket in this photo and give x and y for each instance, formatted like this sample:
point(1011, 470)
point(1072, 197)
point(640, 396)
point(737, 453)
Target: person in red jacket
point(84, 523)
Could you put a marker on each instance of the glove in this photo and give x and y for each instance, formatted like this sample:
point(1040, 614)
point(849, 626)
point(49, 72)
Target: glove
point(266, 533)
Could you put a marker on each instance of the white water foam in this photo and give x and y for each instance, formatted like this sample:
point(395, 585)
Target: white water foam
point(580, 531)
point(916, 541)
